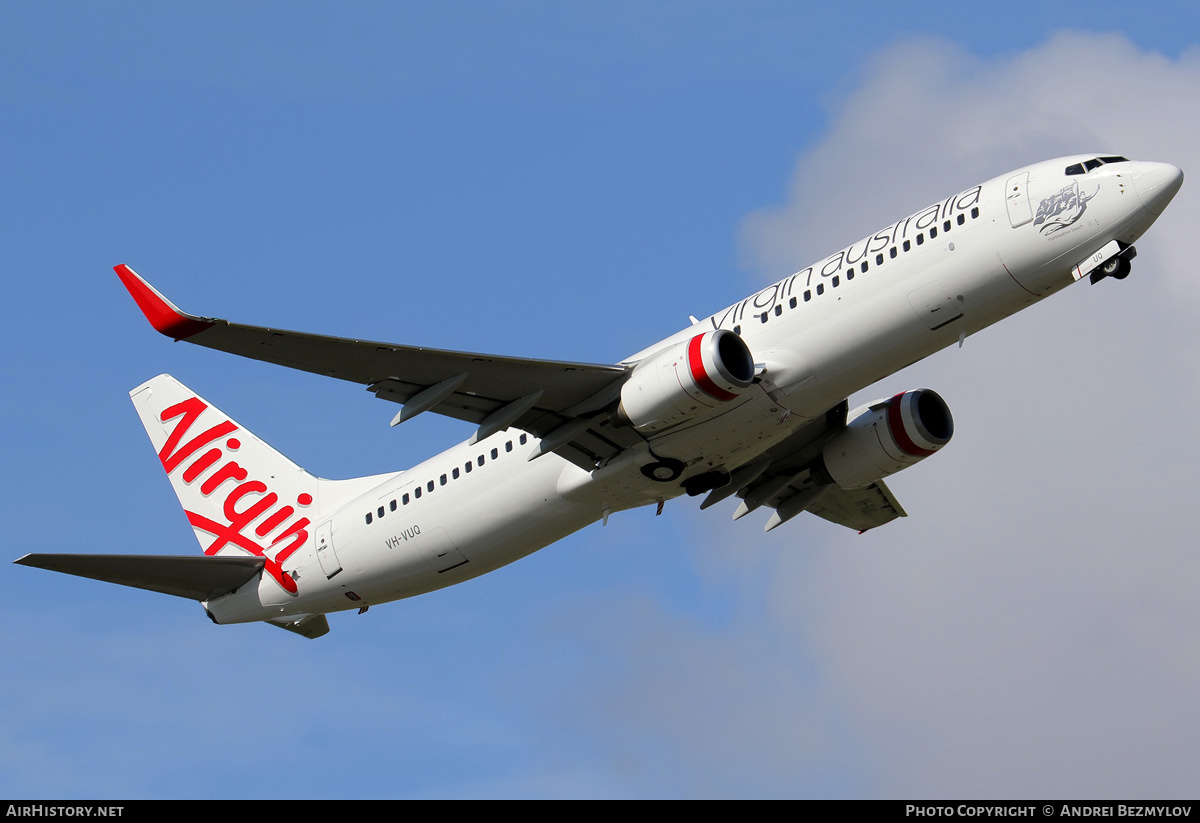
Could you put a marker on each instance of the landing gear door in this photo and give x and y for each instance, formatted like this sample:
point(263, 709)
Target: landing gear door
point(1016, 198)
point(325, 553)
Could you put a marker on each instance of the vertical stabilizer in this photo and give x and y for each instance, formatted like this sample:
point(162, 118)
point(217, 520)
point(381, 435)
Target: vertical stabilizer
point(241, 496)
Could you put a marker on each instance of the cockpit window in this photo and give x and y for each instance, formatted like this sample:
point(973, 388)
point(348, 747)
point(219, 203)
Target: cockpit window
point(1094, 163)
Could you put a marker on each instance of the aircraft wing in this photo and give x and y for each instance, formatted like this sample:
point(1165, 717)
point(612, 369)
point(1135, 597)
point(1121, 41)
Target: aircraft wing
point(538, 396)
point(779, 479)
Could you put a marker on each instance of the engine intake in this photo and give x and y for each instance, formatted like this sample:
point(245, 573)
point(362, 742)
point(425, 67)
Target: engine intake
point(690, 379)
point(886, 436)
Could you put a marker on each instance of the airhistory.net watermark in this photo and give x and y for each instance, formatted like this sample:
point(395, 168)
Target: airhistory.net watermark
point(47, 810)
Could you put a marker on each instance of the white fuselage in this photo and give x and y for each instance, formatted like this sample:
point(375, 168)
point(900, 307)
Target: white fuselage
point(820, 335)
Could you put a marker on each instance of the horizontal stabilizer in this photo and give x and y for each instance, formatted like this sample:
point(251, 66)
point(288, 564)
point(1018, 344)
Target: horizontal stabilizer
point(311, 626)
point(196, 578)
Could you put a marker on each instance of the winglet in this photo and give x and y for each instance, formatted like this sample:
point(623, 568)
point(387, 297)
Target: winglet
point(161, 312)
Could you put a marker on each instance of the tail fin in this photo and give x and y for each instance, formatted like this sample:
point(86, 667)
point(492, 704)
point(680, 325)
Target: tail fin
point(240, 495)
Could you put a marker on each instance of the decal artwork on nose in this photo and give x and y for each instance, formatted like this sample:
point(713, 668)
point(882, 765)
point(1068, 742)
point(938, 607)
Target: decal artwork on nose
point(1058, 211)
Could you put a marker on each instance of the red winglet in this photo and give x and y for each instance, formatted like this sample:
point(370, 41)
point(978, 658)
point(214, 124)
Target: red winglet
point(161, 312)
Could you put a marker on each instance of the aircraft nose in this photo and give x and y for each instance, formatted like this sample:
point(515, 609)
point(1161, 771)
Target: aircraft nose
point(1156, 184)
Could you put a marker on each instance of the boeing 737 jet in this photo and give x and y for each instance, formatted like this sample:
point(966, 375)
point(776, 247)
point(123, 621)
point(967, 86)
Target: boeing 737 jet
point(750, 401)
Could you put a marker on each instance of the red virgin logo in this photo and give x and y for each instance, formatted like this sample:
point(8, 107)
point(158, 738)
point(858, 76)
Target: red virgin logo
point(218, 470)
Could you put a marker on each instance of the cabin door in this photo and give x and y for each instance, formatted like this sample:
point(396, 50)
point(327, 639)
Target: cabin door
point(325, 554)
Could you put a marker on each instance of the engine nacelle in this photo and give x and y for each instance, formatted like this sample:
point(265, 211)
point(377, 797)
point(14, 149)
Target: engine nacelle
point(687, 380)
point(886, 436)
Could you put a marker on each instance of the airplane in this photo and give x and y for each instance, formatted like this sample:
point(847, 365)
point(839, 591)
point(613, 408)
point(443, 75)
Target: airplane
point(750, 401)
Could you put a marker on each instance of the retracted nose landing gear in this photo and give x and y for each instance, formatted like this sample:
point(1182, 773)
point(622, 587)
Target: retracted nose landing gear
point(1116, 267)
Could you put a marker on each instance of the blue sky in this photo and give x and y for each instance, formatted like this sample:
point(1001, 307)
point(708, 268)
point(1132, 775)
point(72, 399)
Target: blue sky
point(570, 181)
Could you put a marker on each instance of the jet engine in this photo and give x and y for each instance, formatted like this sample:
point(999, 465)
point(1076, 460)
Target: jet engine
point(687, 380)
point(884, 437)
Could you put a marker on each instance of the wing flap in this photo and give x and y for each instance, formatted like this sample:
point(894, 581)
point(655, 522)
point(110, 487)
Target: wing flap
point(196, 578)
point(311, 626)
point(787, 486)
point(858, 509)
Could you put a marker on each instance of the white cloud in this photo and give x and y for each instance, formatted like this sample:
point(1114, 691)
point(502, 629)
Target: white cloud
point(929, 117)
point(1031, 629)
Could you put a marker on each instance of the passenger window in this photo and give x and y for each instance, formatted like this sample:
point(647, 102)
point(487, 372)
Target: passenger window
point(807, 295)
point(778, 310)
point(820, 288)
point(763, 317)
point(524, 439)
point(892, 250)
point(381, 511)
point(417, 492)
point(429, 485)
point(946, 226)
point(850, 274)
point(508, 445)
point(442, 480)
point(961, 220)
point(974, 212)
point(920, 239)
point(495, 453)
point(907, 245)
point(468, 466)
point(864, 267)
point(392, 505)
point(879, 259)
point(454, 474)
point(835, 281)
point(932, 234)
point(404, 499)
point(368, 518)
point(792, 303)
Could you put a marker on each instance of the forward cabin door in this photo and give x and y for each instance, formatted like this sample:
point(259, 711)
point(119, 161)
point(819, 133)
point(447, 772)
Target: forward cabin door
point(1016, 198)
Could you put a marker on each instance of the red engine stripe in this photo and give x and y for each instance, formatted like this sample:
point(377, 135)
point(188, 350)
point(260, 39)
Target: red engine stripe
point(896, 425)
point(696, 365)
